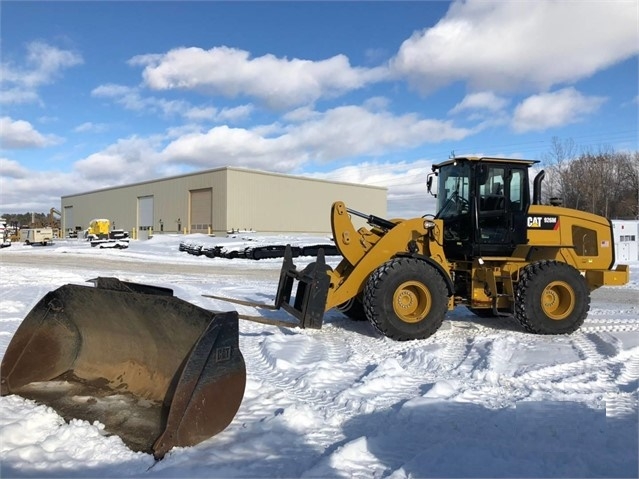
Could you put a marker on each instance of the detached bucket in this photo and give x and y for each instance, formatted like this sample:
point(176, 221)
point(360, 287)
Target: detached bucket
point(156, 370)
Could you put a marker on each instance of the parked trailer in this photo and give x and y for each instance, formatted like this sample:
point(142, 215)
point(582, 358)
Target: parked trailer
point(41, 236)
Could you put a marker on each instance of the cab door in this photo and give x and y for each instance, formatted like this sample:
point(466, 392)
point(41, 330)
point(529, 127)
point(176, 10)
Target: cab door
point(501, 208)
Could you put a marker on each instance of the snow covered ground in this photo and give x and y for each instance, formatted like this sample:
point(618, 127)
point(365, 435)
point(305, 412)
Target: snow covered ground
point(480, 398)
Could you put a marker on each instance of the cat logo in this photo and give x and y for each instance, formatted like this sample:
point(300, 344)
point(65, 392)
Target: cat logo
point(543, 222)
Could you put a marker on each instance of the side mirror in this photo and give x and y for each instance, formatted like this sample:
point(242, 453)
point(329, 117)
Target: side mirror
point(429, 183)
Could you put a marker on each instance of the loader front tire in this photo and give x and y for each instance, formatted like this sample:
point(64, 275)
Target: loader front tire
point(551, 298)
point(406, 298)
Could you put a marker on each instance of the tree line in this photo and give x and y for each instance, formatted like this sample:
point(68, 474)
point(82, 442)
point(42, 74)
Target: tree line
point(26, 220)
point(604, 182)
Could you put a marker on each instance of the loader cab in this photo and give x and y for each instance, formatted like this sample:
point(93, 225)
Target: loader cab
point(483, 203)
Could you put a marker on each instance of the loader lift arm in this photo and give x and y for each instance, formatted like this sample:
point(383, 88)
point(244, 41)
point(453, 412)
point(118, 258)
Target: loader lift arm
point(320, 288)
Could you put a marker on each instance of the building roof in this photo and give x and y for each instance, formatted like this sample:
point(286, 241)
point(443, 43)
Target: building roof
point(225, 168)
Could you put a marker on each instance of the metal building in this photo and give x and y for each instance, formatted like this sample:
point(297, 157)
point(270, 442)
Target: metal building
point(220, 200)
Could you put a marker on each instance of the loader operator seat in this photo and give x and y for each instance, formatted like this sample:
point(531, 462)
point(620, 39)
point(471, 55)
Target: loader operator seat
point(495, 200)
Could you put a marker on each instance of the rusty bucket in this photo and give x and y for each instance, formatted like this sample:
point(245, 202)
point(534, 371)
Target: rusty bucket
point(154, 369)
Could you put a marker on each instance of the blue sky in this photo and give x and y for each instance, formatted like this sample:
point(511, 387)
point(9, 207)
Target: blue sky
point(96, 94)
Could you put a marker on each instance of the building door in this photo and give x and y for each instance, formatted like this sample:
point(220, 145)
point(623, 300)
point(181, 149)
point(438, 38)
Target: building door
point(201, 210)
point(623, 251)
point(68, 225)
point(145, 216)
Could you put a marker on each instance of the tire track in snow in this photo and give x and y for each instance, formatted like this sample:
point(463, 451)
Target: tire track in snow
point(284, 374)
point(480, 368)
point(630, 371)
point(288, 378)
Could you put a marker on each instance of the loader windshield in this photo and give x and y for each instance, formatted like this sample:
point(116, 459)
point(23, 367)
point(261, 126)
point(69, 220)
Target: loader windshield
point(453, 195)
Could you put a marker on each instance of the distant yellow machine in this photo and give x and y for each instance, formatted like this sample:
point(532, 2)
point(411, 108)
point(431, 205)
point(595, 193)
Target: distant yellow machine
point(98, 229)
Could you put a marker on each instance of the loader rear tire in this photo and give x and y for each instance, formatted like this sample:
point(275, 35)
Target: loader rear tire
point(406, 298)
point(551, 298)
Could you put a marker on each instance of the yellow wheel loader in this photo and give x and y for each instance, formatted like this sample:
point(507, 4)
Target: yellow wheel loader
point(490, 247)
point(161, 372)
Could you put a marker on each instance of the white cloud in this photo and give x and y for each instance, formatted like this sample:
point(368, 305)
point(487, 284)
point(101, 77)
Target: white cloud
point(17, 95)
point(222, 146)
point(16, 134)
point(133, 99)
point(344, 132)
point(12, 169)
point(405, 180)
point(126, 161)
point(549, 110)
point(276, 82)
point(486, 100)
point(22, 189)
point(531, 44)
point(200, 113)
point(237, 113)
point(42, 64)
point(111, 90)
point(352, 130)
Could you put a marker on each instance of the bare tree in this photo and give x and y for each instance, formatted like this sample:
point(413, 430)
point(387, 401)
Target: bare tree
point(603, 182)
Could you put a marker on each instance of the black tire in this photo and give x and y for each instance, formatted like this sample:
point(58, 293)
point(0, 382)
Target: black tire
point(551, 298)
point(353, 309)
point(406, 298)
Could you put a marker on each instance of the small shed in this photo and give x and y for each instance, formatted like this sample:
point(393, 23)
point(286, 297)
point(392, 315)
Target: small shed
point(626, 237)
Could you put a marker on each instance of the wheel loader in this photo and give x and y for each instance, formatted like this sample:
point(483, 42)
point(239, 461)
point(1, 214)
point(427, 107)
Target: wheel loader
point(492, 246)
point(161, 372)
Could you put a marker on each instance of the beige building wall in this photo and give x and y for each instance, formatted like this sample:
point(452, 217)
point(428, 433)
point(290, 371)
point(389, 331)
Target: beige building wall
point(170, 203)
point(241, 199)
point(280, 203)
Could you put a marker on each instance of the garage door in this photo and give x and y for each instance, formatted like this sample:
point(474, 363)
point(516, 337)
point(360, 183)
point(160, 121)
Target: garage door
point(145, 213)
point(67, 221)
point(201, 210)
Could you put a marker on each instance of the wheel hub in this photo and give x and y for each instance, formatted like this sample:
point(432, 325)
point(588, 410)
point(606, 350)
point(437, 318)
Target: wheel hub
point(412, 301)
point(558, 300)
